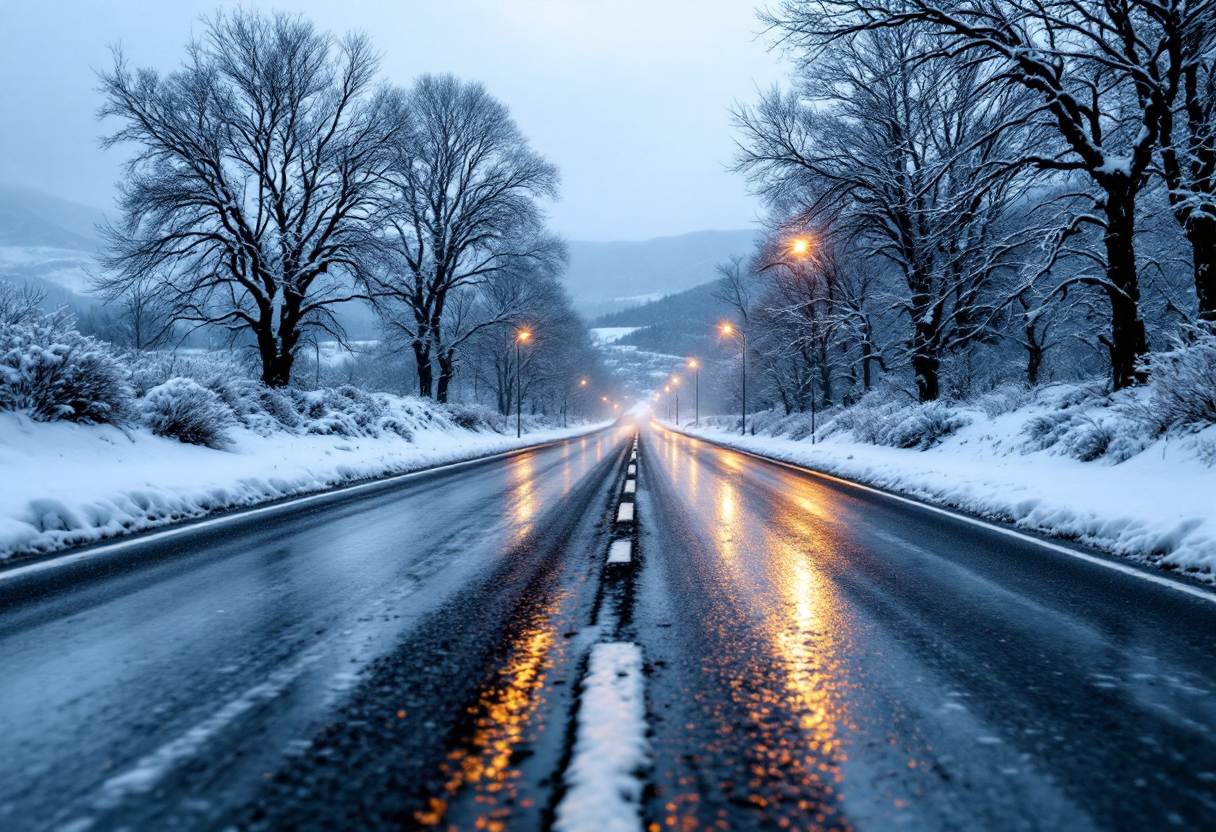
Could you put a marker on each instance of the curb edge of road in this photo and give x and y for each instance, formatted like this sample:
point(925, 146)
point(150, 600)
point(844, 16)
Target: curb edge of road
point(32, 564)
point(1179, 583)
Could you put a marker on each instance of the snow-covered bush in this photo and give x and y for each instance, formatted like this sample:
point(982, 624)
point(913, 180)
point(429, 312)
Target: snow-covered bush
point(921, 426)
point(185, 410)
point(1115, 430)
point(867, 420)
point(1004, 399)
point(51, 371)
point(1184, 381)
point(474, 416)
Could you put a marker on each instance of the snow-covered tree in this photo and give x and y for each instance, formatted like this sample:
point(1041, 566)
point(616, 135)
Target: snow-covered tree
point(256, 169)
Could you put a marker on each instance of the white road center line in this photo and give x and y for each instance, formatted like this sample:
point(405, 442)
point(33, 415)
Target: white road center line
point(621, 551)
point(631, 486)
point(633, 469)
point(625, 513)
point(603, 786)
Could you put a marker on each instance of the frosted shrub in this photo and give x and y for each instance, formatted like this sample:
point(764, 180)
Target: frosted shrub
point(51, 371)
point(185, 410)
point(1184, 382)
point(1004, 399)
point(1045, 431)
point(1086, 439)
point(922, 426)
point(866, 420)
point(473, 416)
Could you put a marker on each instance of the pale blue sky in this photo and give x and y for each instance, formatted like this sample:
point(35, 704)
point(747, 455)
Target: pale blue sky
point(629, 97)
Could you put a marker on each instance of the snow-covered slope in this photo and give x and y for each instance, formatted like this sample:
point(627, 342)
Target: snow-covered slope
point(1157, 506)
point(65, 484)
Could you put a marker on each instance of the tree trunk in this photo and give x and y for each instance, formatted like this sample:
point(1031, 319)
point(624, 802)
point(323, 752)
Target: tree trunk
point(1034, 358)
point(1201, 232)
point(422, 358)
point(926, 367)
point(447, 369)
point(1128, 341)
point(925, 362)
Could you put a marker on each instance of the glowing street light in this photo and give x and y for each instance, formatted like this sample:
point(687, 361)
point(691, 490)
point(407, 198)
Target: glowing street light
point(730, 331)
point(696, 371)
point(675, 382)
point(521, 337)
point(800, 246)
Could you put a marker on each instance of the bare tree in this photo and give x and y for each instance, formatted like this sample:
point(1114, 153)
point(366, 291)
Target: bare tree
point(1107, 76)
point(246, 205)
point(910, 159)
point(463, 206)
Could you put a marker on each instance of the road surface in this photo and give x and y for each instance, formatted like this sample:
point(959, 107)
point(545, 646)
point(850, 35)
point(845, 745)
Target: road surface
point(414, 655)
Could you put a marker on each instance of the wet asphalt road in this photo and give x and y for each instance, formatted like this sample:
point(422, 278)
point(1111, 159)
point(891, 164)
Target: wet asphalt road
point(409, 656)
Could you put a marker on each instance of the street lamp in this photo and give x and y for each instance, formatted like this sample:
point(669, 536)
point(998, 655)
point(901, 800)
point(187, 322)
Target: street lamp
point(729, 331)
point(520, 337)
point(696, 372)
point(675, 382)
point(800, 247)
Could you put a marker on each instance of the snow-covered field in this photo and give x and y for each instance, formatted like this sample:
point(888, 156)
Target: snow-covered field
point(1156, 506)
point(66, 484)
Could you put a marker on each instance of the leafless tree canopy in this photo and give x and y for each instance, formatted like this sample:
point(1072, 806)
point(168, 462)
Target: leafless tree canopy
point(911, 160)
point(248, 201)
point(462, 210)
point(1125, 90)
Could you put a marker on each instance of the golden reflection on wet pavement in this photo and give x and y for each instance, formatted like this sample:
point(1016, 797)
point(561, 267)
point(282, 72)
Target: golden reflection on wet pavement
point(522, 504)
point(504, 719)
point(787, 686)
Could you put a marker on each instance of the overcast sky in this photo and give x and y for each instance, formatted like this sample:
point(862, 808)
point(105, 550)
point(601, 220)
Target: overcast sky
point(629, 98)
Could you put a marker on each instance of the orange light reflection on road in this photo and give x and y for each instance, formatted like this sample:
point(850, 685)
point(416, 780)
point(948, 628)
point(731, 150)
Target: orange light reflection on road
point(792, 692)
point(523, 495)
point(505, 719)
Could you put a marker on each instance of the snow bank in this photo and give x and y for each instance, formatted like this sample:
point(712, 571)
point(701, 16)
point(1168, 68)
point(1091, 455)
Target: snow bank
point(65, 484)
point(1069, 461)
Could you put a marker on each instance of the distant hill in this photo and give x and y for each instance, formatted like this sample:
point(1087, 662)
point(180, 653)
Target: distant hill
point(48, 243)
point(610, 277)
point(681, 324)
point(32, 218)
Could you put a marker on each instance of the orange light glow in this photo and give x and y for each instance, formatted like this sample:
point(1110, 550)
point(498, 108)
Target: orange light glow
point(727, 329)
point(523, 335)
point(692, 362)
point(800, 246)
point(583, 383)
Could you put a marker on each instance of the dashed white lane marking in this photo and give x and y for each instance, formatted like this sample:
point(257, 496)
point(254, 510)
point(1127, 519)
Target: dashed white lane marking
point(633, 469)
point(603, 782)
point(621, 551)
point(631, 486)
point(625, 513)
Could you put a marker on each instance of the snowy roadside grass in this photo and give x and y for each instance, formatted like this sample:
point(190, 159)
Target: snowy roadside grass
point(66, 484)
point(1067, 461)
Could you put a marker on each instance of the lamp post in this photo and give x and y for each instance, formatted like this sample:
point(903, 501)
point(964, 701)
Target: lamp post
point(729, 331)
point(520, 337)
point(696, 375)
point(675, 382)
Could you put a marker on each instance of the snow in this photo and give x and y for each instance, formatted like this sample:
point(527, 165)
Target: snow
point(621, 551)
point(66, 484)
point(610, 334)
point(1156, 507)
point(604, 791)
